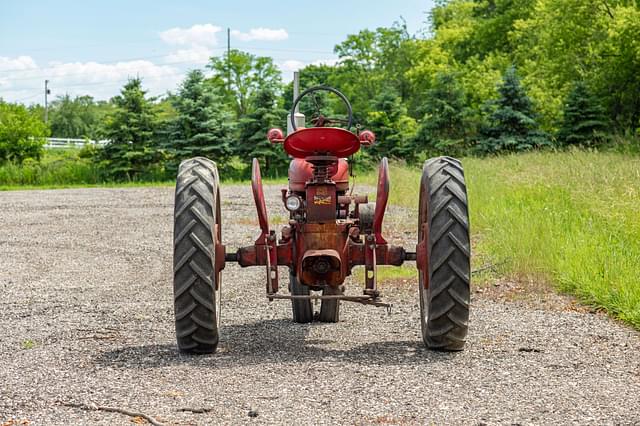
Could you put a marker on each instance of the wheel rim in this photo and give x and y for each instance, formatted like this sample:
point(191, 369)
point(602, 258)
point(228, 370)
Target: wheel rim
point(218, 239)
point(423, 216)
point(424, 303)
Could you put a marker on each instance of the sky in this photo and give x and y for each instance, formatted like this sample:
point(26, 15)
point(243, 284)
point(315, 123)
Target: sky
point(93, 47)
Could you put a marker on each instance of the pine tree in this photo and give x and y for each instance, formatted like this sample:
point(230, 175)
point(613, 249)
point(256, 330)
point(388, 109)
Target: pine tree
point(512, 124)
point(130, 130)
point(583, 122)
point(393, 128)
point(203, 125)
point(253, 128)
point(444, 124)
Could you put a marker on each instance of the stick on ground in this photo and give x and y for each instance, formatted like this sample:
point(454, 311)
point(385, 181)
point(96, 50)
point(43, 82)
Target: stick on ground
point(94, 407)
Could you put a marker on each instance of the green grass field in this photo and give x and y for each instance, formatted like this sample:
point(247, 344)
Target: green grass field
point(567, 218)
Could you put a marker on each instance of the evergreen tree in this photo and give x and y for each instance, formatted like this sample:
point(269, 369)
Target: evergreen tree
point(444, 124)
point(130, 130)
point(583, 122)
point(393, 128)
point(512, 124)
point(253, 128)
point(202, 126)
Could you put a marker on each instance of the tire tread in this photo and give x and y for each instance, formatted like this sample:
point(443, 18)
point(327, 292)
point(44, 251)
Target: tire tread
point(449, 255)
point(194, 275)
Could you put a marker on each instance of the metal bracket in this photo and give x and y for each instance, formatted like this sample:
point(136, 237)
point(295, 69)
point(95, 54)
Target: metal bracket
point(272, 265)
point(365, 300)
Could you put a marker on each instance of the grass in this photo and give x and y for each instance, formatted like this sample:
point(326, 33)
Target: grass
point(65, 168)
point(28, 344)
point(568, 218)
point(56, 168)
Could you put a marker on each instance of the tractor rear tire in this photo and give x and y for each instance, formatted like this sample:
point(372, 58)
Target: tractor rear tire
point(302, 308)
point(330, 309)
point(444, 302)
point(197, 227)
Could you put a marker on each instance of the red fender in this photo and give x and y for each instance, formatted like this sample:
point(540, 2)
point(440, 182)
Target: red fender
point(266, 240)
point(381, 200)
point(258, 197)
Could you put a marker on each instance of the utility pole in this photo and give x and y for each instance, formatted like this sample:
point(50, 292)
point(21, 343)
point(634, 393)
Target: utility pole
point(46, 103)
point(229, 59)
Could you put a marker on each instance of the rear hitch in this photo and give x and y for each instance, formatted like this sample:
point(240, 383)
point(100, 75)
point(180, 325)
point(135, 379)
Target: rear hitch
point(365, 300)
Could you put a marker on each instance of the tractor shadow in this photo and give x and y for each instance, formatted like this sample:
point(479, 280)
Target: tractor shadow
point(275, 342)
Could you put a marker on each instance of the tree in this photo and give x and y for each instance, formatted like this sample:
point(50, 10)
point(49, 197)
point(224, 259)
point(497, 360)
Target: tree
point(583, 122)
point(393, 128)
point(130, 131)
point(445, 122)
point(253, 130)
point(202, 126)
point(373, 61)
point(22, 134)
point(311, 75)
point(512, 125)
point(248, 74)
point(74, 118)
point(565, 40)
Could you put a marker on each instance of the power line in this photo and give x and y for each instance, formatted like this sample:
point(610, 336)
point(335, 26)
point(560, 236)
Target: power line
point(41, 75)
point(28, 97)
point(142, 58)
point(155, 40)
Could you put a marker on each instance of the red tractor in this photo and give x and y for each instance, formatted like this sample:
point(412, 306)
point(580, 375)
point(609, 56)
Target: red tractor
point(330, 230)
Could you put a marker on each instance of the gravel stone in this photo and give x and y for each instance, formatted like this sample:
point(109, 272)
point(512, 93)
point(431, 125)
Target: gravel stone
point(87, 318)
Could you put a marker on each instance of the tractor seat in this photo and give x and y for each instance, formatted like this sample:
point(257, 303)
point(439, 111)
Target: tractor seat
point(333, 141)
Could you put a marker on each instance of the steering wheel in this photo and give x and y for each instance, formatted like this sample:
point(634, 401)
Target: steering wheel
point(318, 119)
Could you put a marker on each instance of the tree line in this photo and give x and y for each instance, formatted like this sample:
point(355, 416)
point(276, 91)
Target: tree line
point(488, 77)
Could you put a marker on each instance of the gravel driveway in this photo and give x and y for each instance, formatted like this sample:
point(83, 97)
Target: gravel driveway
point(87, 318)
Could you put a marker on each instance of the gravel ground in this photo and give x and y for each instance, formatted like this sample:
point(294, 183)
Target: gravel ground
point(87, 318)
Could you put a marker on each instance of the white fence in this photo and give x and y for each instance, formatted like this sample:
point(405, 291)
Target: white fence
point(62, 143)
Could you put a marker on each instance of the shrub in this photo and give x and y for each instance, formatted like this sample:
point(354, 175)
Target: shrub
point(22, 135)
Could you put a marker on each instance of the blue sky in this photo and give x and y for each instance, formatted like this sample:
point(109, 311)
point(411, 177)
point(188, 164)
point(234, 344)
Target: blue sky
point(91, 47)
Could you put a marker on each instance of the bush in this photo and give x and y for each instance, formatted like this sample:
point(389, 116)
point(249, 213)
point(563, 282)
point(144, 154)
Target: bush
point(55, 168)
point(22, 135)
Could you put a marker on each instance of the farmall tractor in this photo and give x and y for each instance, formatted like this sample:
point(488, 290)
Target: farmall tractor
point(330, 231)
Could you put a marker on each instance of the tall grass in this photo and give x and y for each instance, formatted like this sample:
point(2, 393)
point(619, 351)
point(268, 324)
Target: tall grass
point(570, 218)
point(56, 168)
point(62, 168)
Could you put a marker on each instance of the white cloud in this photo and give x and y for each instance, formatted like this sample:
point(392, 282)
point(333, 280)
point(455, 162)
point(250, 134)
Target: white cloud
point(196, 54)
point(19, 63)
point(80, 78)
point(197, 35)
point(263, 34)
point(291, 65)
point(21, 78)
point(197, 41)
